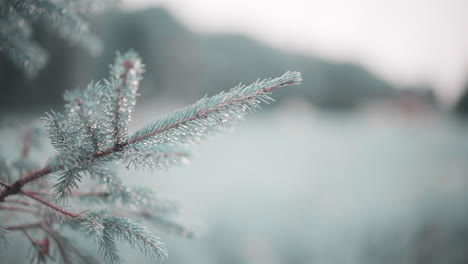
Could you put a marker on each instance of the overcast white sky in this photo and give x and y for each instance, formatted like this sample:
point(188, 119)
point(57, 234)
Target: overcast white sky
point(403, 41)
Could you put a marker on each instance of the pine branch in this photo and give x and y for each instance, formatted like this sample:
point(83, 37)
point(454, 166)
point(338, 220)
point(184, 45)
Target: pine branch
point(69, 25)
point(73, 194)
point(54, 125)
point(52, 206)
point(159, 157)
point(19, 209)
point(41, 246)
point(63, 253)
point(94, 132)
point(182, 126)
point(82, 118)
point(16, 33)
point(23, 226)
point(90, 128)
point(21, 203)
point(188, 124)
point(26, 234)
point(16, 43)
point(15, 188)
point(66, 182)
point(107, 229)
point(25, 55)
point(68, 252)
point(120, 97)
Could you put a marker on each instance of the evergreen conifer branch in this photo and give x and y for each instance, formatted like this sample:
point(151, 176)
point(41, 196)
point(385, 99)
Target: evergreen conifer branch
point(19, 209)
point(74, 194)
point(52, 206)
point(20, 202)
point(27, 56)
point(108, 229)
point(23, 226)
point(63, 252)
point(192, 122)
point(122, 90)
point(69, 253)
point(41, 249)
point(92, 134)
point(155, 157)
point(16, 34)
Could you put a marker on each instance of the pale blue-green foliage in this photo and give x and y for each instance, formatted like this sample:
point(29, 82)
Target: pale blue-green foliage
point(107, 229)
point(97, 118)
point(67, 251)
point(159, 157)
point(56, 128)
point(119, 104)
point(93, 134)
point(119, 193)
point(72, 254)
point(16, 43)
point(195, 122)
point(17, 16)
point(80, 110)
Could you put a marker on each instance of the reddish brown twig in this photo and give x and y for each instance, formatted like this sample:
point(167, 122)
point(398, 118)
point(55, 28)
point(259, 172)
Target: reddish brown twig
point(52, 206)
point(57, 241)
point(21, 202)
point(54, 236)
point(23, 226)
point(18, 209)
point(73, 194)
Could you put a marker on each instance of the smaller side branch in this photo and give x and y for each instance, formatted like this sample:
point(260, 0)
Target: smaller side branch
point(34, 175)
point(63, 253)
point(118, 134)
point(26, 234)
point(21, 202)
point(73, 194)
point(23, 226)
point(18, 209)
point(54, 236)
point(41, 246)
point(88, 125)
point(52, 206)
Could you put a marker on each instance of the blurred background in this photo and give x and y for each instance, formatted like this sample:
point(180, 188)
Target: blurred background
point(365, 162)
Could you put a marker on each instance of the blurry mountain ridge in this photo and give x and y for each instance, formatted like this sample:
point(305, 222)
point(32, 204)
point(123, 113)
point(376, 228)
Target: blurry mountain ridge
point(185, 66)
